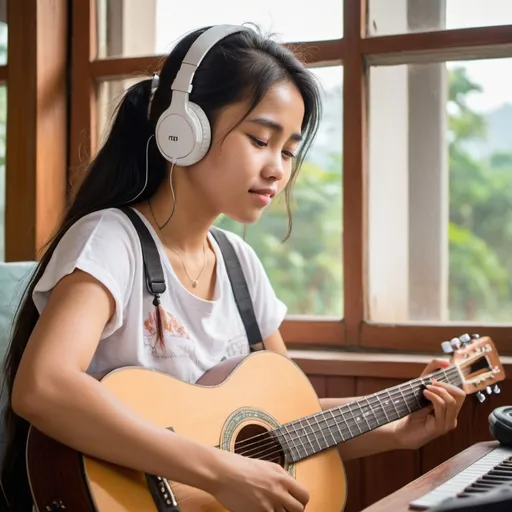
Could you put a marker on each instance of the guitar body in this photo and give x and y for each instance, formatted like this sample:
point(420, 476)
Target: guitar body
point(236, 400)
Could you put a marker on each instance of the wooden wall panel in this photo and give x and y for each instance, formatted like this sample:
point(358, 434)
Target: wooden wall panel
point(473, 427)
point(344, 387)
point(371, 478)
point(378, 479)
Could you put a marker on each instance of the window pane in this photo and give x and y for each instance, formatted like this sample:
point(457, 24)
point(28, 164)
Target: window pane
point(3, 111)
point(440, 192)
point(110, 94)
point(147, 27)
point(306, 270)
point(402, 16)
point(3, 33)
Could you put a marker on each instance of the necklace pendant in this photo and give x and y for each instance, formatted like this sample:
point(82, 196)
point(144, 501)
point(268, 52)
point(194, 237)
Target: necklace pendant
point(194, 284)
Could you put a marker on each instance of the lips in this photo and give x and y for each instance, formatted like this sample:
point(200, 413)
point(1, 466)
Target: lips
point(270, 192)
point(263, 196)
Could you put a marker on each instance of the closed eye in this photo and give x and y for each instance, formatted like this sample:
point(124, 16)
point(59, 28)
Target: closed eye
point(262, 144)
point(257, 142)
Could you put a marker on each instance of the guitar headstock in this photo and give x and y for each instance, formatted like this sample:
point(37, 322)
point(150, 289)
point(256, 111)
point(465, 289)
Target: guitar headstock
point(478, 362)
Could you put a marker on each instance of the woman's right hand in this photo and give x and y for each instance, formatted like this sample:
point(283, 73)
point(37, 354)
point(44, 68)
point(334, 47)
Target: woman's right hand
point(253, 485)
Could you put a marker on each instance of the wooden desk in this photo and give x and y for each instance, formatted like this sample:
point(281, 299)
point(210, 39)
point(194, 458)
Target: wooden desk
point(399, 500)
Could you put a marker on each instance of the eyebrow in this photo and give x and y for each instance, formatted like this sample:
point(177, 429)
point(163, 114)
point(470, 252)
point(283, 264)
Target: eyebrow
point(263, 121)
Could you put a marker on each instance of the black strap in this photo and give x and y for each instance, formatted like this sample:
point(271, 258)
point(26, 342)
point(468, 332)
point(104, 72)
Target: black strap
point(155, 281)
point(239, 285)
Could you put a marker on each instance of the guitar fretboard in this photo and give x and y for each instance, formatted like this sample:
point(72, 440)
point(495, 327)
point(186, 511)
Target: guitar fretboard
point(312, 434)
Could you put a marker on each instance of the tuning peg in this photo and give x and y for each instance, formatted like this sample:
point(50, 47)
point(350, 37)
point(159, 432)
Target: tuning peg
point(475, 336)
point(465, 339)
point(480, 396)
point(455, 343)
point(446, 346)
point(488, 389)
point(497, 389)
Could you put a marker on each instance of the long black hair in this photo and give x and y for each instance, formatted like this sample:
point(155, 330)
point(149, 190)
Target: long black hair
point(243, 65)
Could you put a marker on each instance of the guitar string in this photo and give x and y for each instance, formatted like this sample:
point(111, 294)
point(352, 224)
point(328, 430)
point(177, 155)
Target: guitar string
point(392, 396)
point(344, 429)
point(421, 381)
point(396, 393)
point(348, 426)
point(278, 454)
point(301, 433)
point(345, 425)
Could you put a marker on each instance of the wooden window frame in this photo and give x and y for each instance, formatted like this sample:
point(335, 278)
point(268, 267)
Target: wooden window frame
point(36, 134)
point(357, 52)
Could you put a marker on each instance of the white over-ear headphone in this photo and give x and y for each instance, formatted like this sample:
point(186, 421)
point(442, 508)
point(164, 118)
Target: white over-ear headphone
point(182, 132)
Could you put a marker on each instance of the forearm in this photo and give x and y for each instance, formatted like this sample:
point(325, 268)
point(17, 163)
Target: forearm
point(376, 441)
point(81, 413)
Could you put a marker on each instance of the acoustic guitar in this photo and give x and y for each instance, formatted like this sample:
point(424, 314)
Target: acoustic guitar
point(261, 406)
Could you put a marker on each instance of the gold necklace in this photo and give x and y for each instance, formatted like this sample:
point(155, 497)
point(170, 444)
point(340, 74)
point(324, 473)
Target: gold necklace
point(193, 281)
point(196, 280)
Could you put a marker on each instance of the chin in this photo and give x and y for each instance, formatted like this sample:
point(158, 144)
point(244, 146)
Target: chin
point(246, 217)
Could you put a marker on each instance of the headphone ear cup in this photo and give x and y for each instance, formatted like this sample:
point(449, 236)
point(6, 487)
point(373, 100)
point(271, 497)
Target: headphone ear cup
point(175, 135)
point(203, 136)
point(184, 139)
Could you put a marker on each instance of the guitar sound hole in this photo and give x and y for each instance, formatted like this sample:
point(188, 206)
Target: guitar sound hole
point(257, 442)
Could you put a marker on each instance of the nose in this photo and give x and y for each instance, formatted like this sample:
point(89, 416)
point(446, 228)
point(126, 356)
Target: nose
point(274, 169)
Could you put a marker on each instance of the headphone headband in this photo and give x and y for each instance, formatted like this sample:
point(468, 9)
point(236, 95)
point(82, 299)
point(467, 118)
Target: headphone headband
point(197, 52)
point(183, 133)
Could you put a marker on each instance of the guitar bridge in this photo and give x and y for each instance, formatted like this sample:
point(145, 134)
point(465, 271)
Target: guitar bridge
point(162, 494)
point(161, 491)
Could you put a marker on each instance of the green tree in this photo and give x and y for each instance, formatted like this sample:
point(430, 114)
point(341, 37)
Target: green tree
point(306, 270)
point(480, 230)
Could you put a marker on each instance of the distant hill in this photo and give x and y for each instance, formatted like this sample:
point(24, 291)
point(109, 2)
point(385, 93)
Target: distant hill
point(329, 138)
point(499, 133)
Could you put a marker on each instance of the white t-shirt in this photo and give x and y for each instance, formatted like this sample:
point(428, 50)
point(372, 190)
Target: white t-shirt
point(198, 334)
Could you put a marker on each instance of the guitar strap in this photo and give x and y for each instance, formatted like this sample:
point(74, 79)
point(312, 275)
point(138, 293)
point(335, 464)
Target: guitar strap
point(155, 281)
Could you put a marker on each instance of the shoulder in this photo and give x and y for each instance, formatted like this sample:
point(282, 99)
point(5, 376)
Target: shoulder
point(100, 223)
point(103, 244)
point(108, 230)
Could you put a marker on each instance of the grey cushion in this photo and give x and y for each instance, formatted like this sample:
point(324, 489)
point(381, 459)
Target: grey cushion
point(14, 278)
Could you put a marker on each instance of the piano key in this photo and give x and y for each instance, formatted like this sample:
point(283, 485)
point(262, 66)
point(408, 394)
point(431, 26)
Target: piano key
point(457, 485)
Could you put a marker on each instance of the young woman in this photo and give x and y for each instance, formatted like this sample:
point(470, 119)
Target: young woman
point(87, 310)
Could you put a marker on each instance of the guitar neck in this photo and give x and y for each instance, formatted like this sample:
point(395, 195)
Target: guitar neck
point(312, 434)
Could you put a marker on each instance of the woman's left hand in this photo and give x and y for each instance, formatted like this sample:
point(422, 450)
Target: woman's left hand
point(440, 417)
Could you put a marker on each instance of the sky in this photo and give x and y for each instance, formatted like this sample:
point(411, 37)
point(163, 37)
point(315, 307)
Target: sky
point(325, 22)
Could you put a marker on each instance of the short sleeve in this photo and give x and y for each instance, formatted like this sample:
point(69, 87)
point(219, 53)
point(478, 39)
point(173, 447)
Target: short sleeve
point(101, 245)
point(270, 311)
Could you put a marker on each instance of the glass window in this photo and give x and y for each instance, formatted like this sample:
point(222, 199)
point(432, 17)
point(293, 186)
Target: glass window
point(3, 33)
point(440, 192)
point(3, 116)
point(306, 270)
point(403, 16)
point(110, 94)
point(148, 27)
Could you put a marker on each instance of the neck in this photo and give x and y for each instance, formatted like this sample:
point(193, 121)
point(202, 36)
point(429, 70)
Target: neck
point(188, 227)
point(309, 435)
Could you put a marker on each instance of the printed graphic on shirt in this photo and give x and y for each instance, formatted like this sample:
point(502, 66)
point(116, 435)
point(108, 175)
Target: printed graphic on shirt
point(237, 346)
point(167, 337)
